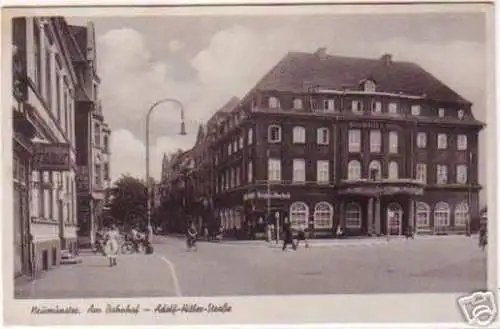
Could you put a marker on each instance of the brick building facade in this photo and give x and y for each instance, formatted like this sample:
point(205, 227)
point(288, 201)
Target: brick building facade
point(370, 146)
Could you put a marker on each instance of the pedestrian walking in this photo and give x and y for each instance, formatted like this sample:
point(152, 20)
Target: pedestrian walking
point(287, 235)
point(483, 237)
point(269, 232)
point(111, 248)
point(301, 236)
point(205, 231)
point(191, 237)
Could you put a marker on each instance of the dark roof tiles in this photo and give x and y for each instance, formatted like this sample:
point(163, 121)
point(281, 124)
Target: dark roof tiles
point(297, 72)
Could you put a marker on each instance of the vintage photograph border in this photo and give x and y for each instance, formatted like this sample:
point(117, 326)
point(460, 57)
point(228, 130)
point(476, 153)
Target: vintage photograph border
point(314, 309)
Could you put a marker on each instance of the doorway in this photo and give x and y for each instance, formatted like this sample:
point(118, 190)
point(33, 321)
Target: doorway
point(394, 219)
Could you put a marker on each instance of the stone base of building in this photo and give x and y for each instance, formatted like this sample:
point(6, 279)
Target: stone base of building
point(47, 255)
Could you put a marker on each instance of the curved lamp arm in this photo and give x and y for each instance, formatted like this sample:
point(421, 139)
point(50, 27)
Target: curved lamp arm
point(182, 132)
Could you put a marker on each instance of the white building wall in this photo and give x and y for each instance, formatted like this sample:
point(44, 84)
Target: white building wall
point(64, 184)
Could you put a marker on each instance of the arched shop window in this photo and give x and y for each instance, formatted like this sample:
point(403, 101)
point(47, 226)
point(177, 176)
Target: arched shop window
point(441, 216)
point(353, 216)
point(323, 216)
point(299, 214)
point(423, 216)
point(461, 214)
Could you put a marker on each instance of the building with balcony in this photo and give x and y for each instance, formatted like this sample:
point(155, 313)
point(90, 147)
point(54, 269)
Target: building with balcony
point(370, 146)
point(44, 143)
point(92, 137)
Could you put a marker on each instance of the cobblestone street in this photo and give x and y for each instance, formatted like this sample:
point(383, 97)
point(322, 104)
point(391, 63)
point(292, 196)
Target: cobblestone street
point(424, 265)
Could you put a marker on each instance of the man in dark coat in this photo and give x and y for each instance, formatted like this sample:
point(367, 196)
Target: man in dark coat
point(287, 235)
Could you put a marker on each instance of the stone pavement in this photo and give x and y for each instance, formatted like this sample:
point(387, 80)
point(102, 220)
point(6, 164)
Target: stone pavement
point(443, 264)
point(424, 265)
point(134, 276)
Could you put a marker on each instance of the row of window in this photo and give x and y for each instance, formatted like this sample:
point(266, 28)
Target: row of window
point(357, 107)
point(52, 80)
point(231, 178)
point(49, 193)
point(441, 212)
point(235, 145)
point(354, 171)
point(323, 215)
point(323, 138)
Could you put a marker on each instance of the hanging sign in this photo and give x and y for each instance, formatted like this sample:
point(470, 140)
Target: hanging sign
point(52, 157)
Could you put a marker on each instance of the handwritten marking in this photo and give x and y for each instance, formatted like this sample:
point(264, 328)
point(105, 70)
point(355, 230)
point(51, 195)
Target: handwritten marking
point(174, 276)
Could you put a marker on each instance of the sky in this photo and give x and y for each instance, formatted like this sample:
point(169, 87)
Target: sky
point(205, 60)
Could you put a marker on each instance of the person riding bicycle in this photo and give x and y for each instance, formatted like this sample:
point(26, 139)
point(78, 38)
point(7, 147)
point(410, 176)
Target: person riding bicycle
point(136, 237)
point(191, 235)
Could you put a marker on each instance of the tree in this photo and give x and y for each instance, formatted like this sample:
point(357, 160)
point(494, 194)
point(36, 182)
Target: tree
point(129, 201)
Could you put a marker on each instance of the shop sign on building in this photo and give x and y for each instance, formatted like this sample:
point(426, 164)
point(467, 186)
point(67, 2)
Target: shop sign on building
point(52, 157)
point(265, 195)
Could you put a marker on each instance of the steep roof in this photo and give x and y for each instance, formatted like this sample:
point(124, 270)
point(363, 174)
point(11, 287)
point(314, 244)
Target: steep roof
point(297, 72)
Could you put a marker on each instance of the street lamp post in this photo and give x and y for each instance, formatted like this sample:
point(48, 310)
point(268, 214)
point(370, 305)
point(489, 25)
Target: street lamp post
point(182, 133)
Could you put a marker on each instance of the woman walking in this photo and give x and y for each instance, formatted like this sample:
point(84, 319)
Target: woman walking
point(111, 248)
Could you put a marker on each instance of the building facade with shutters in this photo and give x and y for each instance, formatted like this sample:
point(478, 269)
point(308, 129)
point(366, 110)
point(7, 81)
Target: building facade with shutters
point(368, 146)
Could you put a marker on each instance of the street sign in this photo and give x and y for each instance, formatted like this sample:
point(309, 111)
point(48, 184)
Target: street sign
point(52, 157)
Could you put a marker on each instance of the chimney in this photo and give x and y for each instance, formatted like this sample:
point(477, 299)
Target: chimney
point(386, 58)
point(321, 53)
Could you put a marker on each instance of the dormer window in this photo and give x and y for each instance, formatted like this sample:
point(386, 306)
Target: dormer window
point(274, 103)
point(460, 114)
point(370, 86)
point(297, 104)
point(441, 113)
point(415, 110)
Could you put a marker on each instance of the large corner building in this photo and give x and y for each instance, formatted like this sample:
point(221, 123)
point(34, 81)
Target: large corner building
point(371, 146)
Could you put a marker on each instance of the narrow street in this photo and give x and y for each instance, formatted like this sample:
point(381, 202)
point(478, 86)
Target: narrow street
point(424, 265)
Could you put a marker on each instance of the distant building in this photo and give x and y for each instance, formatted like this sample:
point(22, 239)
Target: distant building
point(176, 190)
point(371, 146)
point(93, 137)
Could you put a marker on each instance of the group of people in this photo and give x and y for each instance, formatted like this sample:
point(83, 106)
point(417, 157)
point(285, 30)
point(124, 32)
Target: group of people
point(110, 241)
point(289, 238)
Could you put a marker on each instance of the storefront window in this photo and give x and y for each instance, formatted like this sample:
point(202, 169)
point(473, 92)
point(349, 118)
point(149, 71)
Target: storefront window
point(441, 215)
point(461, 214)
point(299, 214)
point(323, 216)
point(423, 215)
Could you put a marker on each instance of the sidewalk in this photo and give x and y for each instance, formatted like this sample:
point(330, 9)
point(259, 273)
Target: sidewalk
point(135, 276)
point(347, 241)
